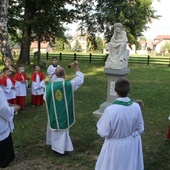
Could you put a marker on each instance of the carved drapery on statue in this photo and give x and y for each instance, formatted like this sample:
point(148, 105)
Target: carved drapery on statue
point(4, 43)
point(118, 52)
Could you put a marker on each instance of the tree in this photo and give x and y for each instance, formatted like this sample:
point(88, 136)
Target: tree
point(4, 42)
point(59, 44)
point(100, 16)
point(30, 10)
point(77, 46)
point(142, 38)
point(40, 20)
point(99, 43)
point(165, 47)
point(91, 41)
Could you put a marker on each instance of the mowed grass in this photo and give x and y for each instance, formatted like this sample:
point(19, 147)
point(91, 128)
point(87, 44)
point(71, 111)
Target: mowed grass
point(149, 83)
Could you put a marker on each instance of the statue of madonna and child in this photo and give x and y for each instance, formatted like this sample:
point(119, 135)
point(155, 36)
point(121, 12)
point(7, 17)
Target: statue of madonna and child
point(118, 52)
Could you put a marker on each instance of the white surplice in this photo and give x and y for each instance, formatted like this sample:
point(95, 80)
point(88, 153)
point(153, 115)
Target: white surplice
point(6, 116)
point(60, 141)
point(10, 92)
point(37, 87)
point(51, 73)
point(121, 127)
point(21, 88)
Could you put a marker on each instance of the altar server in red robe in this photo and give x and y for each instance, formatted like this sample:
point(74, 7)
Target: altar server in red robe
point(21, 86)
point(8, 86)
point(38, 86)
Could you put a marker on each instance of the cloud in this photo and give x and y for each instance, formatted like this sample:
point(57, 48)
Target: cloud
point(161, 26)
point(157, 27)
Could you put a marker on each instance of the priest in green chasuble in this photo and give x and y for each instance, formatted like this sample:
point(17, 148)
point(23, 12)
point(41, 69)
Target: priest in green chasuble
point(59, 99)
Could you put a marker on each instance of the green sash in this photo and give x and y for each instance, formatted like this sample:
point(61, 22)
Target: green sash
point(60, 105)
point(123, 103)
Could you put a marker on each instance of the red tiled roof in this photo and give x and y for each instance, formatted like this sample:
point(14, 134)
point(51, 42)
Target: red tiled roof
point(159, 38)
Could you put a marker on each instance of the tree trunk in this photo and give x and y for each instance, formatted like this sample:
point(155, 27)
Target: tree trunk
point(24, 57)
point(39, 47)
point(4, 42)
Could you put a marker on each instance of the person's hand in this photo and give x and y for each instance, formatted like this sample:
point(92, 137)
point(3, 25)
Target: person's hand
point(75, 63)
point(52, 74)
point(15, 111)
point(13, 87)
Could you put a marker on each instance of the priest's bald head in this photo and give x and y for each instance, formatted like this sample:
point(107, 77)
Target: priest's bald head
point(60, 72)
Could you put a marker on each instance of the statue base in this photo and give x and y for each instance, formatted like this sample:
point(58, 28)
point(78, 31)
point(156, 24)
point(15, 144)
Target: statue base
point(118, 65)
point(112, 76)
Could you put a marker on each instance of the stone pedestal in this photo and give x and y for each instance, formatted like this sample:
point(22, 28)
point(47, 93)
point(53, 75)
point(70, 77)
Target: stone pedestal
point(112, 76)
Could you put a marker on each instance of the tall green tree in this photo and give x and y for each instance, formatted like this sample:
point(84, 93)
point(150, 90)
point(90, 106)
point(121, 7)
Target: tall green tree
point(100, 16)
point(100, 45)
point(166, 46)
point(29, 13)
point(41, 20)
point(59, 44)
point(77, 46)
point(91, 41)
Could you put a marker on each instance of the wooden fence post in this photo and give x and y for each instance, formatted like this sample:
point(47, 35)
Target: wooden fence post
point(74, 56)
point(90, 58)
point(35, 55)
point(60, 56)
point(47, 56)
point(148, 59)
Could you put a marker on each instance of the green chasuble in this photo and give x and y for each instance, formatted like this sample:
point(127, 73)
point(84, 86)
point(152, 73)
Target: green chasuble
point(123, 103)
point(60, 105)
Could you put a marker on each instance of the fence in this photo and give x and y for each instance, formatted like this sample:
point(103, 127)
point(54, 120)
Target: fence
point(73, 57)
point(148, 60)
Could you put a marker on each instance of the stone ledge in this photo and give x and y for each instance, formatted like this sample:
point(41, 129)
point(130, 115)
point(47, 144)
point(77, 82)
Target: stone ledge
point(116, 72)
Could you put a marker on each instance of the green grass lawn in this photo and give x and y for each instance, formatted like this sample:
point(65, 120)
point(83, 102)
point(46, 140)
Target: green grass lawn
point(149, 83)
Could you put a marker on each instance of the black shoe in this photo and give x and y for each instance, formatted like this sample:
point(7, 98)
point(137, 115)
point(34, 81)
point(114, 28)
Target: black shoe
point(67, 153)
point(59, 154)
point(5, 164)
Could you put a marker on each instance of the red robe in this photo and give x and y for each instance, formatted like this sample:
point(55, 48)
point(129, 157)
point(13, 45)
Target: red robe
point(20, 100)
point(41, 75)
point(4, 80)
point(37, 99)
point(4, 83)
point(18, 76)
